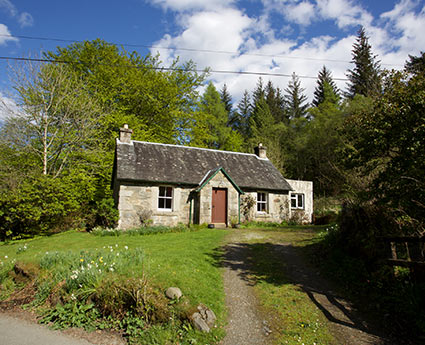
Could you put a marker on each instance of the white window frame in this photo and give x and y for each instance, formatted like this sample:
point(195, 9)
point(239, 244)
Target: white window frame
point(263, 202)
point(165, 198)
point(295, 197)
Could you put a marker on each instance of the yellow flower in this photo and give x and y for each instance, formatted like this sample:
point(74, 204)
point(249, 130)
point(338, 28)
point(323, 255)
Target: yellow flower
point(81, 260)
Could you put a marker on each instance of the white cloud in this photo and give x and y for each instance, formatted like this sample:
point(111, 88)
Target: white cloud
point(9, 7)
point(345, 12)
point(24, 19)
point(407, 25)
point(4, 33)
point(301, 13)
point(258, 45)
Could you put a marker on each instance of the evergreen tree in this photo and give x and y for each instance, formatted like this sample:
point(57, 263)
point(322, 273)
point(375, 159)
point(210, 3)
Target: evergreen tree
point(276, 102)
point(416, 64)
point(242, 114)
point(263, 129)
point(295, 99)
point(364, 78)
point(226, 98)
point(211, 129)
point(258, 93)
point(324, 77)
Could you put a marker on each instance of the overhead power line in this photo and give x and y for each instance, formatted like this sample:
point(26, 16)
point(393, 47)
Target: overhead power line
point(211, 51)
point(165, 68)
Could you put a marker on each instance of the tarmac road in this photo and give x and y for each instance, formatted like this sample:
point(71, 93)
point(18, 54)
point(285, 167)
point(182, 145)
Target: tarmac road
point(21, 332)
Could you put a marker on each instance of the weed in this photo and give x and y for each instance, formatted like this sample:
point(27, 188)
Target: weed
point(72, 315)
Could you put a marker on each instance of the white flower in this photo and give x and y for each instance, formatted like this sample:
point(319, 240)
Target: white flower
point(116, 246)
point(118, 254)
point(126, 248)
point(73, 297)
point(5, 256)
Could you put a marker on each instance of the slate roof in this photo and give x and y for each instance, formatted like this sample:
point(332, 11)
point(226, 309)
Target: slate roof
point(174, 164)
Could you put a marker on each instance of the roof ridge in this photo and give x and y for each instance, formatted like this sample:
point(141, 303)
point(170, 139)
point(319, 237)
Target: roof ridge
point(196, 148)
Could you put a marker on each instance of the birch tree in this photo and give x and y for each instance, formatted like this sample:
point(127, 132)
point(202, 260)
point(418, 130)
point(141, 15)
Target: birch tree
point(54, 117)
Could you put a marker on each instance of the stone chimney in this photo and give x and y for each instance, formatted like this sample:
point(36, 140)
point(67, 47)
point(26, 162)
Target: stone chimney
point(125, 134)
point(261, 151)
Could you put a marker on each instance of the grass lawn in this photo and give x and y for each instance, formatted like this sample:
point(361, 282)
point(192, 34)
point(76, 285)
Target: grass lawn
point(172, 259)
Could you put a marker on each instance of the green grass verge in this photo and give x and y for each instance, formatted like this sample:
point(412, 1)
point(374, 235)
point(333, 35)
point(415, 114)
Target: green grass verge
point(169, 259)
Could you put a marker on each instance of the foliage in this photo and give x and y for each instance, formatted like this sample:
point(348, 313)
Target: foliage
point(72, 315)
point(43, 204)
point(387, 146)
point(295, 98)
point(226, 99)
point(389, 296)
point(155, 103)
point(321, 92)
point(240, 120)
point(211, 128)
point(415, 64)
point(144, 230)
point(247, 206)
point(364, 78)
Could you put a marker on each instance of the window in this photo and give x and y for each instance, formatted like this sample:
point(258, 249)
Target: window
point(261, 202)
point(297, 201)
point(165, 198)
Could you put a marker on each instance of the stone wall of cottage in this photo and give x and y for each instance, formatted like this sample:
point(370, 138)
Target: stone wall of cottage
point(302, 187)
point(137, 200)
point(205, 199)
point(277, 208)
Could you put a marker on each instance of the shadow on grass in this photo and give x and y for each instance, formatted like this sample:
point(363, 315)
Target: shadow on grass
point(281, 264)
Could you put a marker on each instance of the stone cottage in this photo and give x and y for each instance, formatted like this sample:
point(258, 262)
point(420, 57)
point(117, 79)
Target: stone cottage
point(170, 184)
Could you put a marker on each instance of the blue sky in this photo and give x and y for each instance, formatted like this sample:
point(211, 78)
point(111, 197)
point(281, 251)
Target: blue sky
point(266, 36)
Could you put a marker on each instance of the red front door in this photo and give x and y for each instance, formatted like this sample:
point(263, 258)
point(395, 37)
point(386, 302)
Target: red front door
point(219, 206)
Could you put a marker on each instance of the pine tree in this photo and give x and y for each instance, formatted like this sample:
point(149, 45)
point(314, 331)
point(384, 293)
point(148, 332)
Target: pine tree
point(364, 78)
point(295, 99)
point(258, 93)
point(324, 77)
point(226, 98)
point(276, 102)
point(242, 114)
point(416, 64)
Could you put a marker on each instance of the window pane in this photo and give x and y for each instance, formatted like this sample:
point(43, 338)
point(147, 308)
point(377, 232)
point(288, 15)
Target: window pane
point(161, 191)
point(168, 203)
point(300, 201)
point(169, 192)
point(293, 202)
point(161, 203)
